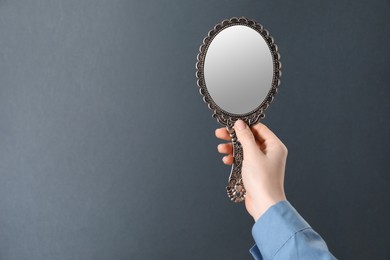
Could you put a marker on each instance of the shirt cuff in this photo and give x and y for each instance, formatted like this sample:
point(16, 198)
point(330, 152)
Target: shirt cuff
point(275, 227)
point(254, 250)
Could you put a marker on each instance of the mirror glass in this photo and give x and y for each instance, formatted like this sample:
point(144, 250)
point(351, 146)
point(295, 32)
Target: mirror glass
point(238, 69)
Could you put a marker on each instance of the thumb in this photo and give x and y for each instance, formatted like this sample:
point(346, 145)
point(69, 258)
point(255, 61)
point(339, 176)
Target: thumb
point(245, 136)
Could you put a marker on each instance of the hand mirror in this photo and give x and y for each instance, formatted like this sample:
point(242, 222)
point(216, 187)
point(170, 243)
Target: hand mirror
point(238, 73)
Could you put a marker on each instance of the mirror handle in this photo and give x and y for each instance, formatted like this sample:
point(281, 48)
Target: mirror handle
point(235, 189)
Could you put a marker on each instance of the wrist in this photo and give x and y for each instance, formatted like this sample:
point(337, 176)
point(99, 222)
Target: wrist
point(264, 205)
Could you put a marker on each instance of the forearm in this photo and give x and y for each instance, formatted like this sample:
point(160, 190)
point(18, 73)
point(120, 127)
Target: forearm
point(281, 233)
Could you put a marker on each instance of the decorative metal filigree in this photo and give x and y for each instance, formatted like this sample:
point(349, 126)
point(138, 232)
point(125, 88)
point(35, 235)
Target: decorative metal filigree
point(235, 188)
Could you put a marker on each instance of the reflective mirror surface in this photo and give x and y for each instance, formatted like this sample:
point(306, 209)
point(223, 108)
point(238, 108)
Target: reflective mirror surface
point(238, 69)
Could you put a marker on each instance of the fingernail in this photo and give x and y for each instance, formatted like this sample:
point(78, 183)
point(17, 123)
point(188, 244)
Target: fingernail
point(240, 125)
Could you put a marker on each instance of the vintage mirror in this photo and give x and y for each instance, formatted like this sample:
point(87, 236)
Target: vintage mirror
point(238, 72)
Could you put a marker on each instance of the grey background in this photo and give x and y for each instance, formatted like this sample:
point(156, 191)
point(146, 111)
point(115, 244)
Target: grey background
point(108, 152)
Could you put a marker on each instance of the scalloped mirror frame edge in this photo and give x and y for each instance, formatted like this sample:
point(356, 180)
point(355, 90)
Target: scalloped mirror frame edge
point(223, 117)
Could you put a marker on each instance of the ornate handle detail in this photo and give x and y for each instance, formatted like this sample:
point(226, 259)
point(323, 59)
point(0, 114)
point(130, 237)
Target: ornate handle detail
point(235, 189)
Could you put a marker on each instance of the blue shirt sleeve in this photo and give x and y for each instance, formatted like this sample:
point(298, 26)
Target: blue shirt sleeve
point(281, 233)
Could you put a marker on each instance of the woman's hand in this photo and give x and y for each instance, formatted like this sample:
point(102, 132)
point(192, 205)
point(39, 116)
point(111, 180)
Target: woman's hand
point(263, 166)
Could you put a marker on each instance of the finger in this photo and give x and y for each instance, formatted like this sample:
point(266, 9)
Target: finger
point(245, 136)
point(225, 148)
point(262, 133)
point(223, 134)
point(267, 139)
point(228, 159)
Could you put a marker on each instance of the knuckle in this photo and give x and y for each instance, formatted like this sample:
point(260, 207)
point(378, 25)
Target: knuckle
point(285, 150)
point(281, 147)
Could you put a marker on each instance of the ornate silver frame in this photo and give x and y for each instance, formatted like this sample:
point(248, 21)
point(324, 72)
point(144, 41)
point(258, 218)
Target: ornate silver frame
point(235, 188)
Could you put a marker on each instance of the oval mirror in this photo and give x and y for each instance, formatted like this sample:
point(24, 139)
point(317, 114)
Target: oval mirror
point(238, 73)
